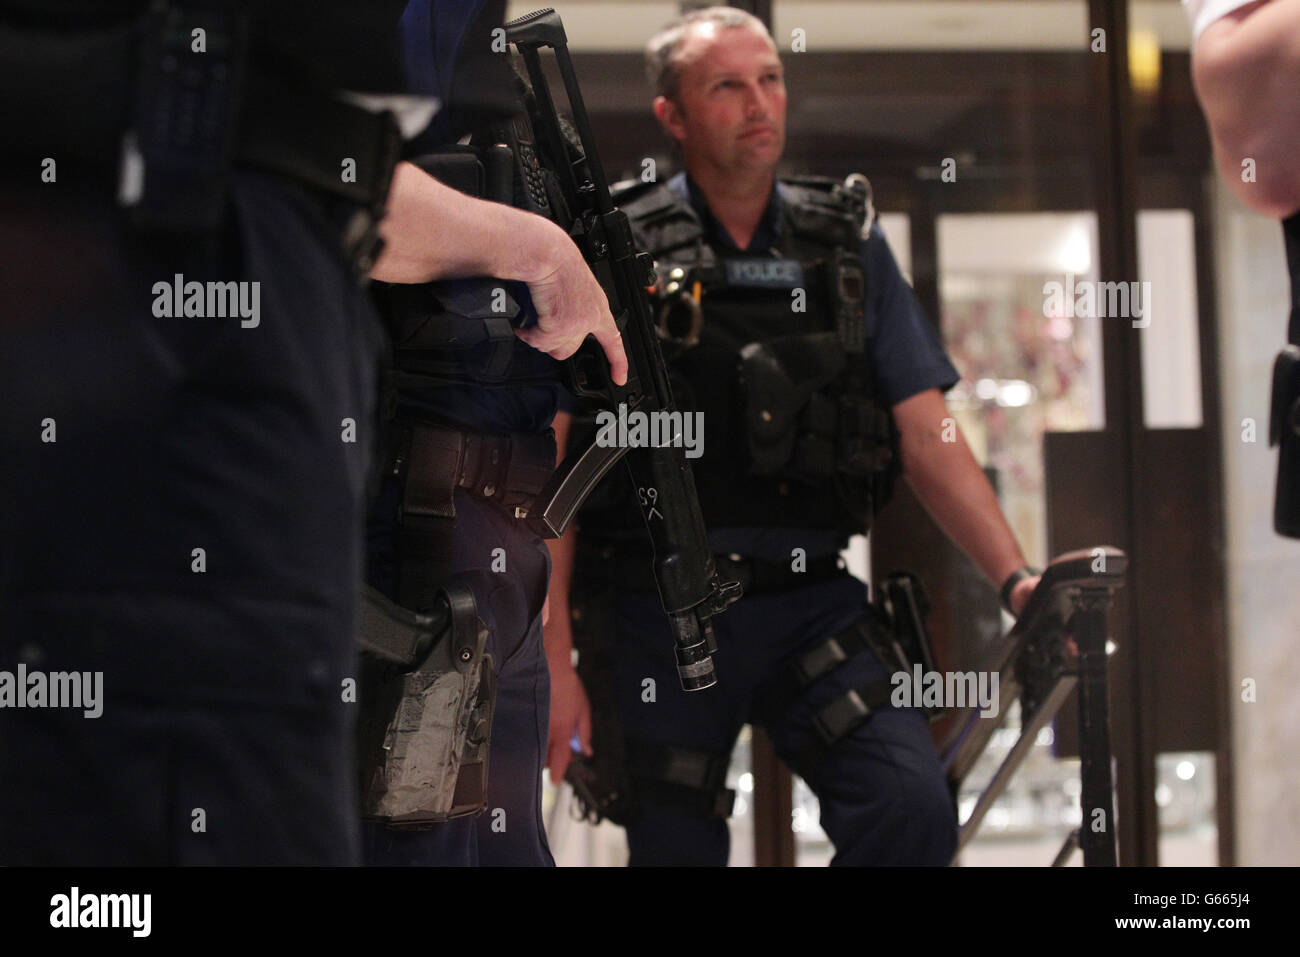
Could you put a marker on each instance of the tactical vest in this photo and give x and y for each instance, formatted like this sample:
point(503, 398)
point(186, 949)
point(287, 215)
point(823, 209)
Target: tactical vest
point(780, 365)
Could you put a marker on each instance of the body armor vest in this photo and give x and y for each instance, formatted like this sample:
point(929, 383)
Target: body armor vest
point(778, 362)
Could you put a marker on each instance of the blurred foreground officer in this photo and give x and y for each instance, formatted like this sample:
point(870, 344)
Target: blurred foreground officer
point(795, 459)
point(470, 446)
point(192, 199)
point(1246, 64)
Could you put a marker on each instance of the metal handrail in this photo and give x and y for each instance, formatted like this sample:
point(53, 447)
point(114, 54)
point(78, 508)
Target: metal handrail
point(1036, 666)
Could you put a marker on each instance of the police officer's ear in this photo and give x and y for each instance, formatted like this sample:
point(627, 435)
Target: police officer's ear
point(670, 116)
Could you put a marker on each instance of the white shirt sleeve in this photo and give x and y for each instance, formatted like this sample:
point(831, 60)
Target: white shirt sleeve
point(1204, 12)
point(413, 112)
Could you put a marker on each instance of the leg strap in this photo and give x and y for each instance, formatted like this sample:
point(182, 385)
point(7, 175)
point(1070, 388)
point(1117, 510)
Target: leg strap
point(839, 717)
point(683, 779)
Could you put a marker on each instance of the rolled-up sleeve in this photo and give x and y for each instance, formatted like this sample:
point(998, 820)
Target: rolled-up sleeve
point(1202, 13)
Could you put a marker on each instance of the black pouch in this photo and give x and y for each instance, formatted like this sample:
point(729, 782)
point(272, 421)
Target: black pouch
point(778, 378)
point(1284, 430)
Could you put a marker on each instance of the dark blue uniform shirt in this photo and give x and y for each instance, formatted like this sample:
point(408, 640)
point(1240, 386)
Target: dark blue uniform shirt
point(905, 351)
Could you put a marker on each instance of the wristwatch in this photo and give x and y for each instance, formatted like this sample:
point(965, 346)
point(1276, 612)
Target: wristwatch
point(1015, 578)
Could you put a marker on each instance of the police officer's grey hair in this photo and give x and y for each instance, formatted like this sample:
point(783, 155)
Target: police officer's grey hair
point(663, 66)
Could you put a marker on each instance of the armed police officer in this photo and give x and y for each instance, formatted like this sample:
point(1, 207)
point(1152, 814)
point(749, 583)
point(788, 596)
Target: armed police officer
point(474, 388)
point(192, 200)
point(1246, 64)
point(798, 447)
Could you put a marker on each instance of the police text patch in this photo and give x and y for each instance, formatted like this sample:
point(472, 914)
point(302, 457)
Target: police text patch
point(765, 273)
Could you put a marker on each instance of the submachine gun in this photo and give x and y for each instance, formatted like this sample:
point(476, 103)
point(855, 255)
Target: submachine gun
point(565, 181)
point(1037, 667)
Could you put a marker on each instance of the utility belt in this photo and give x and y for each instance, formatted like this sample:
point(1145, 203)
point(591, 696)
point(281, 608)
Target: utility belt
point(432, 461)
point(137, 99)
point(631, 569)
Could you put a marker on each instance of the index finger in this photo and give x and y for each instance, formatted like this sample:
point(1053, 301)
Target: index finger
point(611, 340)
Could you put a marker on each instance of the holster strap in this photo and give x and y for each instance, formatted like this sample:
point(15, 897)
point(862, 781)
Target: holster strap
point(809, 667)
point(684, 779)
point(842, 715)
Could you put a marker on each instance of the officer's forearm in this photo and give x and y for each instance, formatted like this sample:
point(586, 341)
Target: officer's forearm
point(432, 231)
point(558, 633)
point(942, 471)
point(1246, 66)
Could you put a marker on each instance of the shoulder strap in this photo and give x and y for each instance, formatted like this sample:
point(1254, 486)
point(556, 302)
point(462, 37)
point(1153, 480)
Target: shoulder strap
point(834, 218)
point(663, 222)
point(826, 212)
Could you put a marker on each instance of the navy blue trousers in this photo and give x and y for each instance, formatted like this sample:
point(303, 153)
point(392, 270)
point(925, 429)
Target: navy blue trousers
point(131, 440)
point(882, 793)
point(511, 831)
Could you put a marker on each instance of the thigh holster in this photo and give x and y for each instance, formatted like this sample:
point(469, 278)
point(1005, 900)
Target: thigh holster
point(425, 723)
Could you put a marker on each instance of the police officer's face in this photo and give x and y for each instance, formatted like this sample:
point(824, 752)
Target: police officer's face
point(730, 106)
